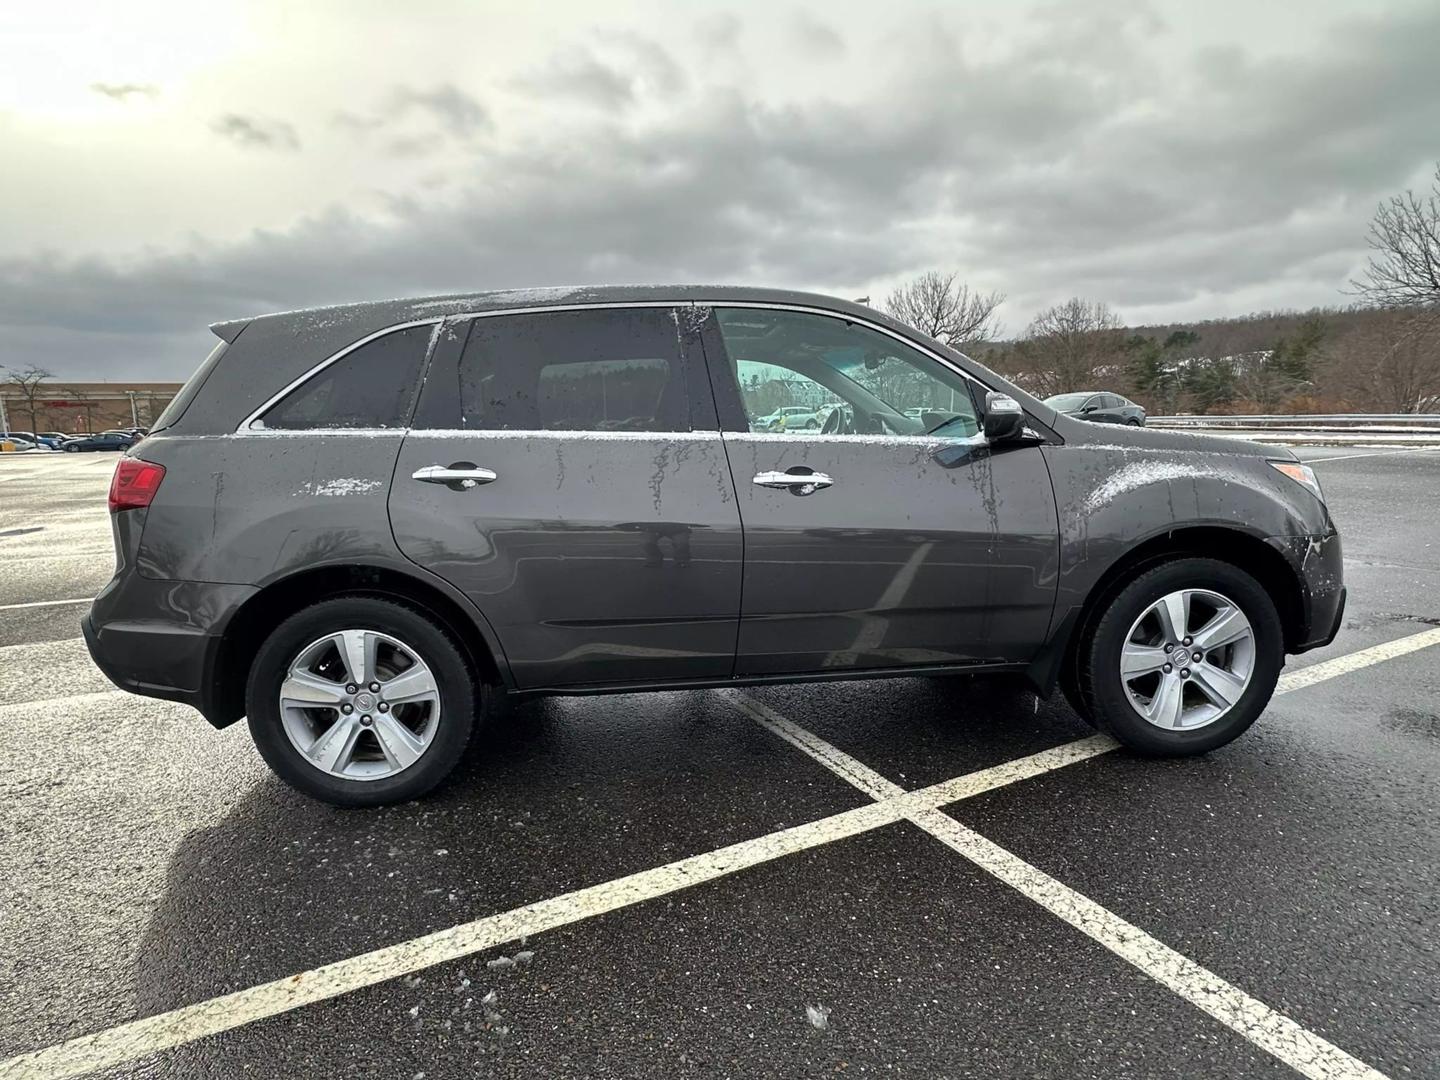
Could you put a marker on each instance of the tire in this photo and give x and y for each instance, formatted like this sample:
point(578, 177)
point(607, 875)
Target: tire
point(72, 449)
point(445, 724)
point(1133, 422)
point(1115, 707)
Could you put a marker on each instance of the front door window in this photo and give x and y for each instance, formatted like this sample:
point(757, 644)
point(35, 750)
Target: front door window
point(817, 374)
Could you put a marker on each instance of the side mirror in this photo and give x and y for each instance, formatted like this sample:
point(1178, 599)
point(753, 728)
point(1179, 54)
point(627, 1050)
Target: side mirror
point(1004, 419)
point(1090, 408)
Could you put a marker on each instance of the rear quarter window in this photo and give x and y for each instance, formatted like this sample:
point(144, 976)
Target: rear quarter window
point(372, 386)
point(181, 401)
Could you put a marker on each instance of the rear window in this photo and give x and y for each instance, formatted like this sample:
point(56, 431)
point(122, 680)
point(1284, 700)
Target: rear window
point(372, 386)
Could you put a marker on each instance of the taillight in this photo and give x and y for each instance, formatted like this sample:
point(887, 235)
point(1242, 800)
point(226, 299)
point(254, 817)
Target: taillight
point(134, 484)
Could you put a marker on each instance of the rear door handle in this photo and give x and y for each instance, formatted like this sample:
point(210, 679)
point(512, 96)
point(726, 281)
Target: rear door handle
point(806, 483)
point(460, 476)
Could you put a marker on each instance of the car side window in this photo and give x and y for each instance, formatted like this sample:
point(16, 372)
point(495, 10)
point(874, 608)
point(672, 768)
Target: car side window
point(617, 369)
point(373, 386)
point(799, 371)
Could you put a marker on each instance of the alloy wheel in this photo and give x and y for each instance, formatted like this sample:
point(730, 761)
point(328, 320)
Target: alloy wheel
point(1188, 659)
point(360, 705)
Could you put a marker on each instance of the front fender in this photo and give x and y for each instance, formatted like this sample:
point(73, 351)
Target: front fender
point(1113, 498)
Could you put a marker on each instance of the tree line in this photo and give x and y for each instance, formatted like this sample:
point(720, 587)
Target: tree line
point(1380, 353)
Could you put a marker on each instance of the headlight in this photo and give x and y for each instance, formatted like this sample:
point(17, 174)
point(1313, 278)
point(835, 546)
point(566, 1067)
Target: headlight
point(1301, 474)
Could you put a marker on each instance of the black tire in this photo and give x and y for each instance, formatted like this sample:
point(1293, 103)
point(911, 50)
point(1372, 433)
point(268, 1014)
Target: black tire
point(462, 699)
point(72, 449)
point(1098, 661)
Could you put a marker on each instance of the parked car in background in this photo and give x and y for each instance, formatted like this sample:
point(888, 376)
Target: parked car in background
point(52, 439)
point(791, 418)
point(106, 440)
point(1099, 407)
point(22, 441)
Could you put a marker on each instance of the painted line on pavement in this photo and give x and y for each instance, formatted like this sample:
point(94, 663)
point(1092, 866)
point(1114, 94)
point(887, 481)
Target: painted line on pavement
point(46, 603)
point(1275, 1033)
point(140, 1038)
point(1356, 457)
point(1362, 658)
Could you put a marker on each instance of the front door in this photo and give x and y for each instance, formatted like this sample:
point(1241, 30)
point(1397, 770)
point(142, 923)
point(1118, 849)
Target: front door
point(892, 536)
point(565, 472)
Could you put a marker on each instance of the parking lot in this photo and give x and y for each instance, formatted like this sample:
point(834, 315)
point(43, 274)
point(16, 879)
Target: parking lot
point(919, 877)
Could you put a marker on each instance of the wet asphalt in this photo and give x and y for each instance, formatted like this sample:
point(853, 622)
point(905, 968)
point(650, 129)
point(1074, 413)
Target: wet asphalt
point(148, 862)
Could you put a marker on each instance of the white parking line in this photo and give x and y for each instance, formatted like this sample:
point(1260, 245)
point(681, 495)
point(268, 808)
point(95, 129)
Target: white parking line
point(1340, 665)
point(140, 1038)
point(46, 603)
point(1381, 453)
point(1273, 1032)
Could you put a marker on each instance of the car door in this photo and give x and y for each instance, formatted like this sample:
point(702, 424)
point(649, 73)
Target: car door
point(565, 471)
point(872, 544)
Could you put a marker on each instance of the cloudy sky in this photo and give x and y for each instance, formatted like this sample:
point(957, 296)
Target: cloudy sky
point(164, 165)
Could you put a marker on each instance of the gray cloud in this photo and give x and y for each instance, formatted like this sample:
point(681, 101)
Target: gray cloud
point(454, 112)
point(257, 133)
point(1087, 159)
point(815, 37)
point(124, 91)
point(625, 69)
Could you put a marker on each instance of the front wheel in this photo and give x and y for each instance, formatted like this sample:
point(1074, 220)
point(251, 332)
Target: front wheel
point(1183, 659)
point(359, 701)
point(72, 449)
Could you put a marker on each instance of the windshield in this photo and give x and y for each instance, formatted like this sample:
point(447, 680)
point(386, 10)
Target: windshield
point(1068, 401)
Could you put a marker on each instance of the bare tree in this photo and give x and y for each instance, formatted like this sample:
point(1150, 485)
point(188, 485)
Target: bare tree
point(28, 387)
point(946, 308)
point(1404, 269)
point(1392, 360)
point(1070, 346)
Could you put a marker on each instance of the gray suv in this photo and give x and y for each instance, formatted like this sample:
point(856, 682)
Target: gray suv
point(360, 526)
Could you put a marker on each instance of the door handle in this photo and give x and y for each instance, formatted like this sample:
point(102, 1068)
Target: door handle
point(806, 483)
point(466, 476)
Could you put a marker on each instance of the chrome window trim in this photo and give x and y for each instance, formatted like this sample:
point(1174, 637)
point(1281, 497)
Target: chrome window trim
point(573, 435)
point(244, 428)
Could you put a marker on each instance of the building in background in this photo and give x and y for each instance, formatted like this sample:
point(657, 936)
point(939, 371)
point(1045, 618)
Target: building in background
point(94, 406)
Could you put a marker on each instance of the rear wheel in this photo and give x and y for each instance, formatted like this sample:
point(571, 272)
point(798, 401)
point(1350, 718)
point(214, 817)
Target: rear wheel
point(1183, 659)
point(359, 701)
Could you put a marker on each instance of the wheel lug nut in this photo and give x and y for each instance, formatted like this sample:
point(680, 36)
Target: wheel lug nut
point(365, 721)
point(1169, 647)
point(374, 687)
point(1184, 673)
point(384, 706)
point(1186, 642)
point(350, 688)
point(1168, 668)
point(347, 708)
point(1199, 656)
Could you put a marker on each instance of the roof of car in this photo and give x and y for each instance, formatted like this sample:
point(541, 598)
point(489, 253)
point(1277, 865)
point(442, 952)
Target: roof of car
point(413, 309)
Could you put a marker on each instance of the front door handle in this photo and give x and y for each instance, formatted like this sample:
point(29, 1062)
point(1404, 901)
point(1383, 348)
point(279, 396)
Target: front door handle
point(457, 476)
point(797, 483)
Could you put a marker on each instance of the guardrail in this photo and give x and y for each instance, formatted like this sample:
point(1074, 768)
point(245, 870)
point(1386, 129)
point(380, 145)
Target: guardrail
point(1335, 429)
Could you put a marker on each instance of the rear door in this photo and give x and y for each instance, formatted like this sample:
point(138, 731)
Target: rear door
point(871, 543)
point(565, 471)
